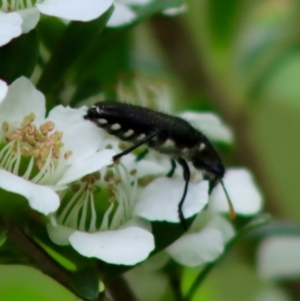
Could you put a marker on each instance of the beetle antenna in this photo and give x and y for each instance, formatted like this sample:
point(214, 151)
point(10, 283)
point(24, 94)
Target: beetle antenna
point(231, 208)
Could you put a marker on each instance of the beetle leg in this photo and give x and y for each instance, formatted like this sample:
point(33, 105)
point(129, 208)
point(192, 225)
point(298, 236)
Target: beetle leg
point(136, 145)
point(186, 177)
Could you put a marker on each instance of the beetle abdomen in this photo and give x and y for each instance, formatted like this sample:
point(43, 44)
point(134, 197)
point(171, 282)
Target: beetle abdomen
point(132, 123)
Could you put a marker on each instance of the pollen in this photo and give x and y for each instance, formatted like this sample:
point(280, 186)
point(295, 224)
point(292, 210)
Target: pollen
point(41, 144)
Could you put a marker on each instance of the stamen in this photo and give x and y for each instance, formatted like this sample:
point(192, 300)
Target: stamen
point(93, 223)
point(5, 126)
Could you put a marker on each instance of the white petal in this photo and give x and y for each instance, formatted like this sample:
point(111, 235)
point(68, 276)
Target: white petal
point(279, 258)
point(134, 2)
point(126, 246)
point(243, 192)
point(194, 249)
point(80, 136)
point(76, 10)
point(210, 125)
point(59, 234)
point(30, 18)
point(40, 198)
point(120, 16)
point(220, 223)
point(174, 11)
point(22, 98)
point(271, 293)
point(144, 167)
point(159, 200)
point(3, 90)
point(87, 166)
point(10, 27)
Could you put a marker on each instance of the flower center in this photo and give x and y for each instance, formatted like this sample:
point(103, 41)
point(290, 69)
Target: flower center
point(33, 153)
point(99, 202)
point(13, 5)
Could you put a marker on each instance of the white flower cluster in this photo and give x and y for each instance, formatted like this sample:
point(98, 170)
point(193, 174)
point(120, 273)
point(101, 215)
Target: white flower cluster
point(20, 16)
point(62, 164)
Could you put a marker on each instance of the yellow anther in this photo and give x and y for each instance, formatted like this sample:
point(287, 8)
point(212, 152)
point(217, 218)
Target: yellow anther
point(28, 120)
point(40, 164)
point(46, 127)
point(29, 129)
point(39, 137)
point(5, 126)
point(30, 140)
point(112, 199)
point(55, 153)
point(75, 187)
point(68, 154)
point(16, 135)
point(109, 176)
point(133, 172)
point(35, 153)
point(26, 151)
point(44, 152)
point(57, 136)
point(117, 180)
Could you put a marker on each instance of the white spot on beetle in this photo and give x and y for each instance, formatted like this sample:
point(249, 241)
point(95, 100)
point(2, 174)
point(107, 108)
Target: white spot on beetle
point(102, 121)
point(97, 109)
point(169, 143)
point(128, 133)
point(202, 146)
point(141, 137)
point(115, 127)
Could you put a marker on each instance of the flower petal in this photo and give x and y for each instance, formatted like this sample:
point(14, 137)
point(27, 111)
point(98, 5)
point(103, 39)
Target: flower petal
point(87, 166)
point(40, 198)
point(243, 192)
point(30, 18)
point(22, 98)
point(194, 249)
point(279, 258)
point(59, 234)
point(159, 200)
point(126, 246)
point(210, 125)
point(76, 10)
point(134, 2)
point(80, 136)
point(174, 11)
point(120, 16)
point(10, 27)
point(144, 167)
point(220, 223)
point(3, 90)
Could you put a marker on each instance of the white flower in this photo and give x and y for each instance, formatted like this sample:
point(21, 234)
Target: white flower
point(19, 16)
point(278, 258)
point(243, 191)
point(206, 239)
point(210, 125)
point(174, 11)
point(101, 233)
point(204, 242)
point(97, 218)
point(40, 156)
point(123, 12)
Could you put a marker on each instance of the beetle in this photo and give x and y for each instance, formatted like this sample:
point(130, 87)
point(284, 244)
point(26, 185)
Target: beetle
point(167, 134)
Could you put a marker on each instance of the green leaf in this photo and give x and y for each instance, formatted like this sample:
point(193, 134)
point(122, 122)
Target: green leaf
point(112, 36)
point(51, 31)
point(86, 283)
point(222, 19)
point(70, 49)
point(19, 57)
point(2, 236)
